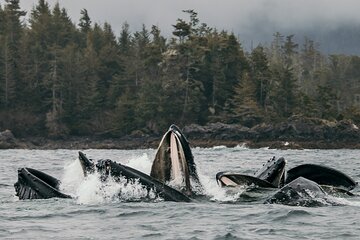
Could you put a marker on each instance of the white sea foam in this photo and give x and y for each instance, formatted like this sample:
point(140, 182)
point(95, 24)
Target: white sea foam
point(142, 163)
point(89, 191)
point(241, 146)
point(215, 192)
point(219, 147)
point(92, 190)
point(72, 176)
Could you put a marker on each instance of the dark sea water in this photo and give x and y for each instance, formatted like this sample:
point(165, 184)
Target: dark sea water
point(95, 212)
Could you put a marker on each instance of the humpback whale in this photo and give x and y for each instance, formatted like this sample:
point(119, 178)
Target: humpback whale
point(108, 168)
point(174, 177)
point(299, 192)
point(34, 184)
point(174, 162)
point(173, 166)
point(271, 175)
point(322, 175)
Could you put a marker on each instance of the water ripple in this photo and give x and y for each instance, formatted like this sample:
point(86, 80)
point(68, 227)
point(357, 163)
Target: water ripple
point(294, 214)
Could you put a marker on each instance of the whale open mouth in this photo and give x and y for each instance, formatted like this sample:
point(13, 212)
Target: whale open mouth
point(172, 172)
point(174, 162)
point(34, 184)
point(271, 175)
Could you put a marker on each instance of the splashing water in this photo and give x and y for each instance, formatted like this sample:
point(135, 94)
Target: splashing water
point(142, 163)
point(92, 190)
point(72, 177)
point(88, 191)
point(215, 192)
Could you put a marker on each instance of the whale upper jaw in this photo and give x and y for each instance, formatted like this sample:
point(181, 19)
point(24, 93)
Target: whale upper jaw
point(87, 165)
point(273, 171)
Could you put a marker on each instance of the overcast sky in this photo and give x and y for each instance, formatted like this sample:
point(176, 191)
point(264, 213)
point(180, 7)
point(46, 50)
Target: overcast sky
point(249, 19)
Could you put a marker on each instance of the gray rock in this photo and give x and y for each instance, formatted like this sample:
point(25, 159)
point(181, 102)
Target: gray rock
point(294, 129)
point(7, 139)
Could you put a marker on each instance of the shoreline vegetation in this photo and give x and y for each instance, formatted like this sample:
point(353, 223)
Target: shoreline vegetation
point(296, 133)
point(79, 85)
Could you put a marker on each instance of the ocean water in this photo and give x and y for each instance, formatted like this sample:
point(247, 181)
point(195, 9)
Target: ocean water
point(97, 211)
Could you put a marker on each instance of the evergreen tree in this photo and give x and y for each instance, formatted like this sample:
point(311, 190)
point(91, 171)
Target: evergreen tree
point(86, 88)
point(337, 80)
point(284, 95)
point(261, 75)
point(111, 65)
point(140, 42)
point(326, 103)
point(226, 62)
point(276, 49)
point(61, 80)
point(182, 30)
point(85, 22)
point(11, 41)
point(38, 43)
point(124, 114)
point(312, 65)
point(246, 109)
point(290, 50)
point(125, 39)
point(150, 111)
point(71, 59)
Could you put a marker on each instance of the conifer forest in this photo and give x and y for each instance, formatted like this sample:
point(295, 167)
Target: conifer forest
point(63, 77)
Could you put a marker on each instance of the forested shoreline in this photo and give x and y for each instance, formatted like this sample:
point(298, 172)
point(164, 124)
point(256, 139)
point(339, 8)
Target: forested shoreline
point(59, 78)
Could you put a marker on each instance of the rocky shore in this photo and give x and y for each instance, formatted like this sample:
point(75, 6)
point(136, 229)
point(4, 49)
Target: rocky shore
point(295, 133)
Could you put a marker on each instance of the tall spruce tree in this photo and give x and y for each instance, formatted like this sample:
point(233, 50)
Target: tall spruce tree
point(11, 41)
point(261, 75)
point(246, 110)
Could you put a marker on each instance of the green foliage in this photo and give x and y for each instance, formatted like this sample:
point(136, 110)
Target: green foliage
point(260, 73)
point(85, 22)
point(326, 102)
point(58, 78)
point(284, 95)
point(11, 34)
point(246, 109)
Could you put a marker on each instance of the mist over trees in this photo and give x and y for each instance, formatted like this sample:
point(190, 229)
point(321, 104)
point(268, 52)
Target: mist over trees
point(59, 78)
